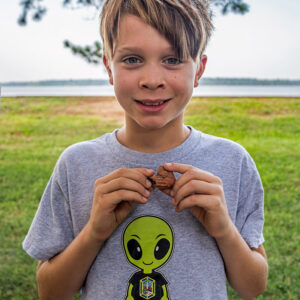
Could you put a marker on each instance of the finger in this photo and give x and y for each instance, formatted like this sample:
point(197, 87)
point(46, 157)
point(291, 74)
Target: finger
point(195, 187)
point(191, 173)
point(137, 174)
point(123, 211)
point(114, 198)
point(146, 172)
point(176, 167)
point(167, 191)
point(202, 201)
point(123, 183)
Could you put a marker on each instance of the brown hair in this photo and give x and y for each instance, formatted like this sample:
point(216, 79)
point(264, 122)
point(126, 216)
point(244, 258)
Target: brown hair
point(186, 24)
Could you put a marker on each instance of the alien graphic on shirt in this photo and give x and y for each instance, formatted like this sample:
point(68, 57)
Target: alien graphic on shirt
point(148, 244)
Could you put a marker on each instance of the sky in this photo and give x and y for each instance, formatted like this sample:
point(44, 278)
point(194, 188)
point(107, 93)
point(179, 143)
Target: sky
point(262, 44)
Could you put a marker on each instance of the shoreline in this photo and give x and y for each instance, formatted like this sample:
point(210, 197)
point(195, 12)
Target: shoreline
point(108, 90)
point(113, 98)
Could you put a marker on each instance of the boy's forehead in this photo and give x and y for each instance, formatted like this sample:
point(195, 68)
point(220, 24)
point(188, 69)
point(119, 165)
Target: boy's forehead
point(134, 34)
point(129, 48)
point(133, 25)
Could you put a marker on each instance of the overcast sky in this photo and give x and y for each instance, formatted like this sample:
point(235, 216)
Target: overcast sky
point(265, 43)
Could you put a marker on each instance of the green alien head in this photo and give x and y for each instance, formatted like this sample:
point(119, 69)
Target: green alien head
point(148, 242)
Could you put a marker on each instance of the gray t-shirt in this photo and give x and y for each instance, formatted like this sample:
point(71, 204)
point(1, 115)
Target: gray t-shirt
point(183, 258)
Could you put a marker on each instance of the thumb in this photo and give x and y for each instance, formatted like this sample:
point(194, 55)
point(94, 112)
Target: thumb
point(124, 208)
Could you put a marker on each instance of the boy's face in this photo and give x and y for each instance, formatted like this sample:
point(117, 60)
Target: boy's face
point(150, 83)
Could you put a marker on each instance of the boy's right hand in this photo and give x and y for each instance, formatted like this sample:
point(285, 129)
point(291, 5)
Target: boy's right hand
point(114, 196)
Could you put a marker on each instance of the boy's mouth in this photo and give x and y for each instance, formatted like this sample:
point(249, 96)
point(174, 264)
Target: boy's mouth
point(152, 102)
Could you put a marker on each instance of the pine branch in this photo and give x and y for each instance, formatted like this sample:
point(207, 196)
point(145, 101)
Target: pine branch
point(92, 54)
point(234, 6)
point(33, 6)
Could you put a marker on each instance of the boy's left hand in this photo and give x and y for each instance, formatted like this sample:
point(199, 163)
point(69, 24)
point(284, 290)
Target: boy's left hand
point(203, 194)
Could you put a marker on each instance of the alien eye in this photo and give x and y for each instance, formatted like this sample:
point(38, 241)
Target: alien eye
point(161, 249)
point(134, 249)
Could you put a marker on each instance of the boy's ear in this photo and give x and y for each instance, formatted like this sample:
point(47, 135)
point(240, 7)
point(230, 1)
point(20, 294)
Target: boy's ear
point(108, 69)
point(200, 69)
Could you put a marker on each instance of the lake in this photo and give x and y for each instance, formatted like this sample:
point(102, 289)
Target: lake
point(107, 90)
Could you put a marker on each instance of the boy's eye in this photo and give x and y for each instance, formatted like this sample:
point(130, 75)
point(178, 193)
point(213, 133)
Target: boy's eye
point(132, 60)
point(173, 61)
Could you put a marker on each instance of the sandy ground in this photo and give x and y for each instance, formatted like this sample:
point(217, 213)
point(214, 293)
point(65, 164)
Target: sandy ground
point(106, 108)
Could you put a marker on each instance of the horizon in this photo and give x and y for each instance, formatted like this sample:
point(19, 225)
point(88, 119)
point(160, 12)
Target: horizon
point(106, 81)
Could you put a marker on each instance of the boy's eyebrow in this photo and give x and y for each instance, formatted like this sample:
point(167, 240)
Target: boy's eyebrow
point(138, 49)
point(129, 49)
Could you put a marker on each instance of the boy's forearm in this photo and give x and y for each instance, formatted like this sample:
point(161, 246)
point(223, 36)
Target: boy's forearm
point(62, 276)
point(246, 269)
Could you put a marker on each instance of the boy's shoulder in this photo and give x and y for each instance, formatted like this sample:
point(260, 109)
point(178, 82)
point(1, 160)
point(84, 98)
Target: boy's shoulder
point(85, 149)
point(223, 145)
point(226, 155)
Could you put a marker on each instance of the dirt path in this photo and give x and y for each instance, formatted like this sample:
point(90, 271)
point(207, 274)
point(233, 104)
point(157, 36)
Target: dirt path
point(106, 108)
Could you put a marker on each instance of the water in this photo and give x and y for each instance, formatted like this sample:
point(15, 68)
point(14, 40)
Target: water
point(107, 90)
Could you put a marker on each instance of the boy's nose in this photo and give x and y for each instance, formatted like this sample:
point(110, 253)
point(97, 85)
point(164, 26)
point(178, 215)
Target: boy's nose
point(152, 78)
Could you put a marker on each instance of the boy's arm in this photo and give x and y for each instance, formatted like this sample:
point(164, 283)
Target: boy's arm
point(114, 196)
point(246, 268)
point(203, 194)
point(62, 276)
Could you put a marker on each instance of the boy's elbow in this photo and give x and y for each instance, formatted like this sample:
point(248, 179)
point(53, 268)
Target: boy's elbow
point(253, 293)
point(262, 283)
point(46, 290)
point(260, 280)
point(41, 286)
point(47, 294)
point(260, 289)
point(258, 284)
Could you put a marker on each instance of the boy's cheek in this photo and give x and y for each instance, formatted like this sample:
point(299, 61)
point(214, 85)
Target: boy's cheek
point(125, 85)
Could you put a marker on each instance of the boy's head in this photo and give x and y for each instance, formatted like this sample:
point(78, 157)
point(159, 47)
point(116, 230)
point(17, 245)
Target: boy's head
point(186, 24)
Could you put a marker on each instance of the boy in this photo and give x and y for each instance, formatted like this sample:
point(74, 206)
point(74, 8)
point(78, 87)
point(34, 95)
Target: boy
point(99, 229)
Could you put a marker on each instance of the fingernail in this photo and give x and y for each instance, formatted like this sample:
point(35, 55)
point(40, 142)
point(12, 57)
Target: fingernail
point(147, 193)
point(148, 183)
point(172, 193)
point(145, 199)
point(168, 164)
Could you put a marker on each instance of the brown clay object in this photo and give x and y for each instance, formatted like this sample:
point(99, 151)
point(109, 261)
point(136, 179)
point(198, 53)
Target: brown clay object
point(162, 180)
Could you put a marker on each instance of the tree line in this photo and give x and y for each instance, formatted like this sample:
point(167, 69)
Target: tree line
point(203, 81)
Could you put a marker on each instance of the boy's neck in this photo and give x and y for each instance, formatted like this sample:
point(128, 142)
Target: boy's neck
point(153, 141)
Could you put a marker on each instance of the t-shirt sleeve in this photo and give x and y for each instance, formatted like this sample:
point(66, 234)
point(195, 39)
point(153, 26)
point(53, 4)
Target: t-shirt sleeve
point(250, 212)
point(51, 230)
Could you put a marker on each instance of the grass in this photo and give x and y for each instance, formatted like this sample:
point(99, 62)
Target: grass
point(35, 130)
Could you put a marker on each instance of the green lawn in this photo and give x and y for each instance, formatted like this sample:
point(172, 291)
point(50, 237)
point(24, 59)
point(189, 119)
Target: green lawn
point(35, 130)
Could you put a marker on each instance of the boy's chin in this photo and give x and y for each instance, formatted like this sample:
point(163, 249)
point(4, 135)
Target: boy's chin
point(152, 124)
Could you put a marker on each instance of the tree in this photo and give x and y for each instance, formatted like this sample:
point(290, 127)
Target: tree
point(92, 53)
